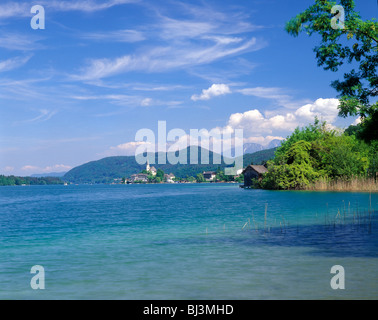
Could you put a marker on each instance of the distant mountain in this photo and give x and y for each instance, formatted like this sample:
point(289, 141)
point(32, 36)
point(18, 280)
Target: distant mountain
point(108, 169)
point(51, 174)
point(252, 147)
point(255, 147)
point(274, 144)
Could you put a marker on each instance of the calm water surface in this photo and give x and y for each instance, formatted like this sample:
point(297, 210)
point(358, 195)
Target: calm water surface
point(186, 242)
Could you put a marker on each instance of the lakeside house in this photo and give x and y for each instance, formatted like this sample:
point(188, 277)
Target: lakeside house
point(169, 178)
point(140, 177)
point(253, 172)
point(209, 175)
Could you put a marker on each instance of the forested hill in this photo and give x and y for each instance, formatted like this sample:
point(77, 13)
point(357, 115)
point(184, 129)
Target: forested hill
point(19, 181)
point(108, 169)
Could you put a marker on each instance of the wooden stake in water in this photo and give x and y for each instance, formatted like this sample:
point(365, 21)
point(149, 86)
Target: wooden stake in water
point(265, 216)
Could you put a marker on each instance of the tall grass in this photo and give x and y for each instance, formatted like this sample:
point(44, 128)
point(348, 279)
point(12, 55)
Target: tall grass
point(353, 184)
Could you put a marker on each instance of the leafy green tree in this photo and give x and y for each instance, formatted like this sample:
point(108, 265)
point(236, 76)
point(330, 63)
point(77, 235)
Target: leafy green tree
point(160, 174)
point(354, 43)
point(343, 156)
point(323, 153)
point(310, 133)
point(240, 178)
point(158, 179)
point(200, 178)
point(297, 170)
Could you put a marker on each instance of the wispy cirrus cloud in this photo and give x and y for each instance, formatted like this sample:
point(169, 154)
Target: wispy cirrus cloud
point(128, 36)
point(278, 95)
point(162, 59)
point(12, 9)
point(44, 115)
point(20, 42)
point(175, 44)
point(127, 101)
point(86, 6)
point(13, 63)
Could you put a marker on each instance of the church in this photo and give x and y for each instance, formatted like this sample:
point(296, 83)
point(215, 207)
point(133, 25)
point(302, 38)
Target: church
point(152, 170)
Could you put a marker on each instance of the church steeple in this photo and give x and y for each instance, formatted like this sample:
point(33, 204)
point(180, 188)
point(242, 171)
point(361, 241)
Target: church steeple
point(148, 167)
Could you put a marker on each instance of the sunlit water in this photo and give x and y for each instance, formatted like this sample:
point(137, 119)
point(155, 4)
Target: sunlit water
point(195, 241)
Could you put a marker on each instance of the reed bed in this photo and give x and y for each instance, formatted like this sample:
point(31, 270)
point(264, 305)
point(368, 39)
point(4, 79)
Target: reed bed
point(354, 184)
point(344, 216)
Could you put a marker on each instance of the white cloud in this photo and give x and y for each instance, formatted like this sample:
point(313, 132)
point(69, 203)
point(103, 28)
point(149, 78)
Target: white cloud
point(357, 121)
point(214, 91)
point(324, 109)
point(127, 149)
point(22, 9)
point(20, 42)
point(264, 92)
point(262, 140)
point(164, 58)
point(44, 115)
point(115, 36)
point(146, 102)
point(257, 127)
point(14, 9)
point(55, 168)
point(172, 29)
point(13, 63)
point(278, 95)
point(253, 122)
point(86, 6)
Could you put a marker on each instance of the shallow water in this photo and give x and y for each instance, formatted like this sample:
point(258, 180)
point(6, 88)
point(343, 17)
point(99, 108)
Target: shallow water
point(207, 241)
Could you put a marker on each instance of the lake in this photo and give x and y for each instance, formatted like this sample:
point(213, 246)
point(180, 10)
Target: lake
point(186, 241)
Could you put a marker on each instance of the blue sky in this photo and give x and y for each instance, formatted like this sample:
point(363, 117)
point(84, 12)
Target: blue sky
point(101, 70)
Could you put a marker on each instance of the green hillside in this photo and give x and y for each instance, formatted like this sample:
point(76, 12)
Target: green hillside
point(108, 169)
point(29, 181)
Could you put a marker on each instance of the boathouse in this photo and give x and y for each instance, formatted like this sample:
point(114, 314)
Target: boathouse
point(253, 172)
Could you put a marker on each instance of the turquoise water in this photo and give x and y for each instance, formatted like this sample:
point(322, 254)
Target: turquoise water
point(186, 242)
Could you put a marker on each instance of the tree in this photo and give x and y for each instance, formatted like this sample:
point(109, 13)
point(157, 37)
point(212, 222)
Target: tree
point(200, 178)
point(160, 174)
point(314, 153)
point(355, 42)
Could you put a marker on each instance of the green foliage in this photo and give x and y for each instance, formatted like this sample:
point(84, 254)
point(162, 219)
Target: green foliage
point(160, 174)
point(343, 156)
point(200, 178)
point(310, 133)
point(240, 178)
point(314, 153)
point(357, 45)
point(18, 181)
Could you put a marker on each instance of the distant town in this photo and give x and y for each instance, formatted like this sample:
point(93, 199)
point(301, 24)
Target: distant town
point(152, 175)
